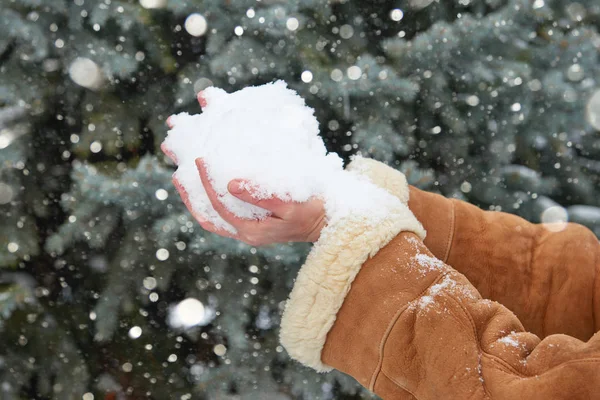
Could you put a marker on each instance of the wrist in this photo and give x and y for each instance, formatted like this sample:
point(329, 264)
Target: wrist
point(315, 231)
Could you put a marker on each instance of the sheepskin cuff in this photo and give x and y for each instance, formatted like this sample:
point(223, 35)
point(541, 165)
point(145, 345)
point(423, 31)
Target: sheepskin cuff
point(330, 268)
point(381, 175)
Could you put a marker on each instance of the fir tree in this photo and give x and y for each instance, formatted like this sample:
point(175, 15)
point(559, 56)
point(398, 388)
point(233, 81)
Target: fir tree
point(492, 101)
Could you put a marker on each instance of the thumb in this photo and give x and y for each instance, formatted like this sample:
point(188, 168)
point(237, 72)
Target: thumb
point(202, 99)
point(247, 192)
point(237, 187)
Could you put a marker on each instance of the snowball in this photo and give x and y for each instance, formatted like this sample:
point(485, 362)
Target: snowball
point(268, 136)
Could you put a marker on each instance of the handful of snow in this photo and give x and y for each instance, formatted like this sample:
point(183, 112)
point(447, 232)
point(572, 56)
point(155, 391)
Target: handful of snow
point(268, 136)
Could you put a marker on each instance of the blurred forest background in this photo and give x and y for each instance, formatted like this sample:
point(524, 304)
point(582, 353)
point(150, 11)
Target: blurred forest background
point(108, 288)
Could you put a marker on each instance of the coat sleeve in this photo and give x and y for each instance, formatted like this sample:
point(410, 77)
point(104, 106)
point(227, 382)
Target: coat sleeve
point(379, 306)
point(546, 274)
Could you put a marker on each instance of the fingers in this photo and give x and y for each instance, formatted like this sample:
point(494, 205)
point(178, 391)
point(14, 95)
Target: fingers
point(202, 99)
point(245, 225)
point(186, 200)
point(164, 147)
point(171, 124)
point(206, 225)
point(168, 153)
point(245, 191)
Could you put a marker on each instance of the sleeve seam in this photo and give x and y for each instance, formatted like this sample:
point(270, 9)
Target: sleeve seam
point(501, 362)
point(399, 385)
point(451, 232)
point(476, 337)
point(390, 327)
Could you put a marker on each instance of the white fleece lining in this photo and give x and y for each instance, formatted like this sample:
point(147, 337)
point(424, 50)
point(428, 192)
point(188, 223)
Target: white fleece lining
point(330, 268)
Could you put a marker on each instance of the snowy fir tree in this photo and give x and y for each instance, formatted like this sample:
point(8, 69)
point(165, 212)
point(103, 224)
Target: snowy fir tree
point(110, 290)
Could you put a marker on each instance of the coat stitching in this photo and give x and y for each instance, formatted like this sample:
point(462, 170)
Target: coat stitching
point(451, 232)
point(390, 327)
point(399, 384)
point(500, 361)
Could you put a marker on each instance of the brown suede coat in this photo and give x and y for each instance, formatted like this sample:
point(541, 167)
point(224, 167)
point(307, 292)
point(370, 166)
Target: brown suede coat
point(488, 306)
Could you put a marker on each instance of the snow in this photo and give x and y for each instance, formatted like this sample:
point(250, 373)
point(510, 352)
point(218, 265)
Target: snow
point(425, 301)
point(150, 4)
point(86, 73)
point(480, 369)
point(555, 218)
point(196, 25)
point(510, 341)
point(430, 263)
point(188, 313)
point(135, 332)
point(414, 241)
point(445, 284)
point(593, 110)
point(247, 135)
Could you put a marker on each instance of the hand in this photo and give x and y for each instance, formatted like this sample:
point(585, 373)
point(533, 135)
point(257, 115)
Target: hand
point(288, 222)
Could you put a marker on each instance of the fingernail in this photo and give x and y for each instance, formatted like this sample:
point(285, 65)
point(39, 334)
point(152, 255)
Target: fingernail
point(202, 99)
point(235, 187)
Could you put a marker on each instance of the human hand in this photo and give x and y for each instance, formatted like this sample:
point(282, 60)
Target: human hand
point(288, 221)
